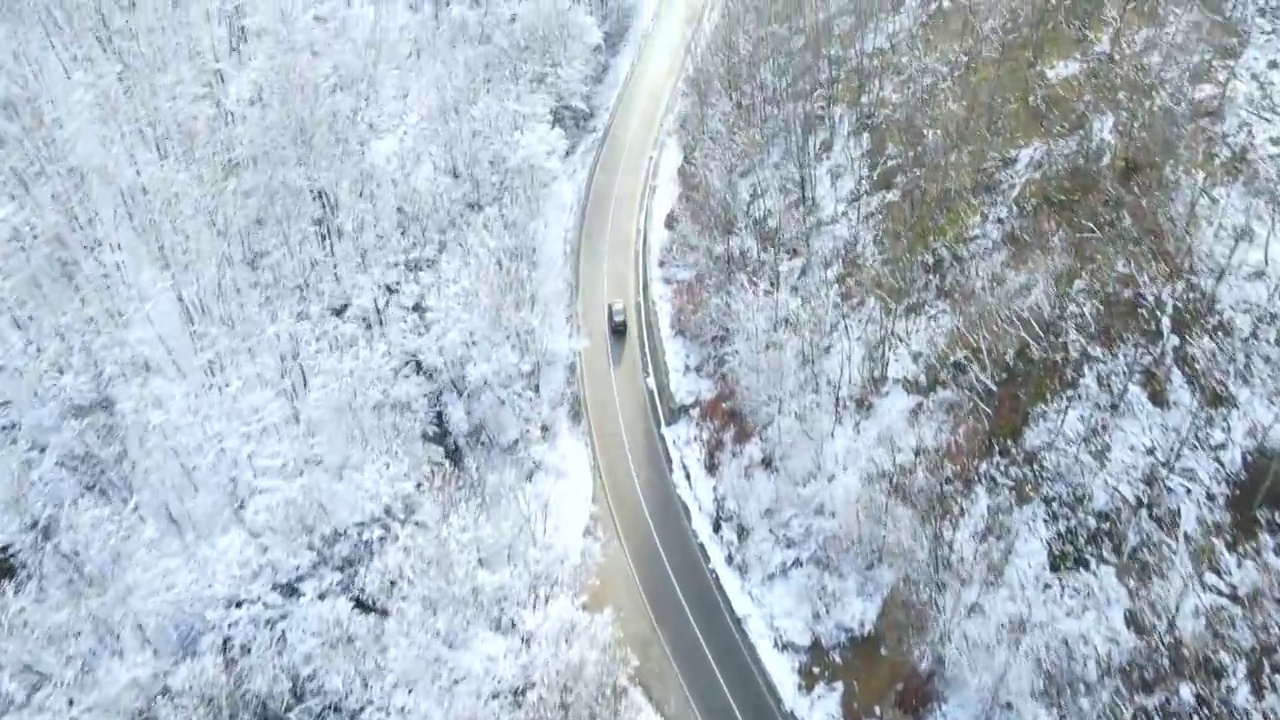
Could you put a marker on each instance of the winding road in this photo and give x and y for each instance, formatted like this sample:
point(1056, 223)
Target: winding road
point(716, 674)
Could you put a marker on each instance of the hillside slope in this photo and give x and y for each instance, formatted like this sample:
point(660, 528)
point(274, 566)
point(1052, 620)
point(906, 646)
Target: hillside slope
point(989, 297)
point(285, 361)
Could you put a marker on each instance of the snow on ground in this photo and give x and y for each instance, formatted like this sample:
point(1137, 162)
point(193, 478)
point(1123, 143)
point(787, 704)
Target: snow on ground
point(681, 356)
point(647, 14)
point(568, 195)
point(641, 708)
point(1253, 108)
point(309, 491)
point(566, 508)
point(1252, 122)
point(568, 451)
point(562, 509)
point(779, 605)
point(1061, 613)
point(766, 608)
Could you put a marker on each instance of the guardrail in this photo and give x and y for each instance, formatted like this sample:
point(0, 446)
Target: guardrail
point(578, 408)
point(653, 358)
point(662, 403)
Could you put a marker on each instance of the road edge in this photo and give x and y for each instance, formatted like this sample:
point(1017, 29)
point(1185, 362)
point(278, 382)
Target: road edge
point(662, 403)
point(579, 400)
point(581, 213)
point(578, 407)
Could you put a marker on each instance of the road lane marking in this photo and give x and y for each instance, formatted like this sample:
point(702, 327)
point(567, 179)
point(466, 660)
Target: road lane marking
point(591, 430)
point(651, 381)
point(626, 551)
point(626, 446)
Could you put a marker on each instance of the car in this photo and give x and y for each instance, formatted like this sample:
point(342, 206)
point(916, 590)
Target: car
point(617, 317)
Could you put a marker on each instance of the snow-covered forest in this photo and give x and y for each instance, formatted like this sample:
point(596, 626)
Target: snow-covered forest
point(987, 294)
point(284, 360)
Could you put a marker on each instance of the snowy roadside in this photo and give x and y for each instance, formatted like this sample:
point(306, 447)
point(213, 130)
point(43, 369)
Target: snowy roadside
point(758, 614)
point(561, 508)
point(641, 708)
point(567, 505)
point(565, 508)
point(774, 611)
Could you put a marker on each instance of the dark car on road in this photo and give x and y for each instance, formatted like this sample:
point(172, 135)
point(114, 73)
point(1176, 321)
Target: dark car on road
point(617, 317)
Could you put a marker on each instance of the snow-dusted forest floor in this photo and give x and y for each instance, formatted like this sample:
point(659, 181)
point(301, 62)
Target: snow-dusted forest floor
point(979, 306)
point(285, 360)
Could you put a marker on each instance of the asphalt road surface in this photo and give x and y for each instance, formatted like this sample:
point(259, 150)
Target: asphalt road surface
point(713, 666)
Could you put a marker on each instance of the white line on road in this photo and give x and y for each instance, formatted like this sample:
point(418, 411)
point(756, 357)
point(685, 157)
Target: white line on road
point(646, 278)
point(613, 381)
point(639, 585)
point(599, 459)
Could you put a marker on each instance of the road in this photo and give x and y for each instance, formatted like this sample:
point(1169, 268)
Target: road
point(713, 666)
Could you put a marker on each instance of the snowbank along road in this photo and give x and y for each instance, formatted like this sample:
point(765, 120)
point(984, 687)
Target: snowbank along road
point(716, 670)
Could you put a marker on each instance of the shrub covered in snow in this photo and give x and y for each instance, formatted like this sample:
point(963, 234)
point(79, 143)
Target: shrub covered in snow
point(284, 362)
point(990, 294)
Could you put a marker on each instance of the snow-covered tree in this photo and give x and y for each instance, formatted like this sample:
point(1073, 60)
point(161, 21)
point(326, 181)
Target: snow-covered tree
point(987, 291)
point(280, 361)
